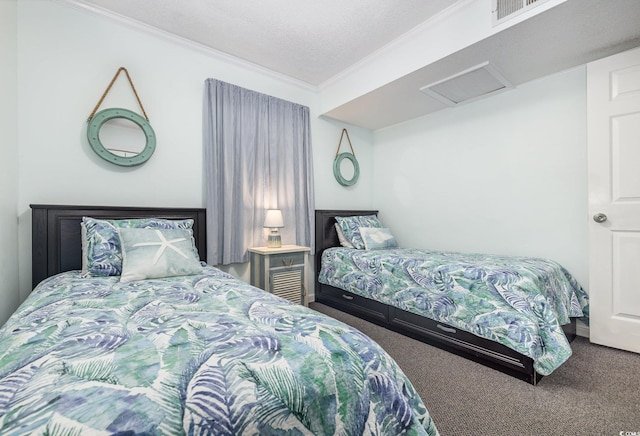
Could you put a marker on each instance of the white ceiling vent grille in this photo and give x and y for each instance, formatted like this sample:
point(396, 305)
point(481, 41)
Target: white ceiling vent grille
point(477, 82)
point(506, 9)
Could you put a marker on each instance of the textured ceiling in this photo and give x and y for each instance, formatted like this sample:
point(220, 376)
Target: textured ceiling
point(317, 41)
point(311, 41)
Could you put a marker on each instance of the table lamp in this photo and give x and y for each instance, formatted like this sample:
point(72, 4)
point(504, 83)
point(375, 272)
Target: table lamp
point(273, 220)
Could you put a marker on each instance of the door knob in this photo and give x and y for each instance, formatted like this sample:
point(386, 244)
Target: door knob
point(599, 217)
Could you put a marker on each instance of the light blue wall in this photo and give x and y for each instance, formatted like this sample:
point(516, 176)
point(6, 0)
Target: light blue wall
point(506, 175)
point(9, 295)
point(66, 57)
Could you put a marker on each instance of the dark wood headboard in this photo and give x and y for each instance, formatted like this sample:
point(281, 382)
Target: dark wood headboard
point(56, 235)
point(326, 235)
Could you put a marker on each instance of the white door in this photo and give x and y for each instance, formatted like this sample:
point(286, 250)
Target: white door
point(613, 120)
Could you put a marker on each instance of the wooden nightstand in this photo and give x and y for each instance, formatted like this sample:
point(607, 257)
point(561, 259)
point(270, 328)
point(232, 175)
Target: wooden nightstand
point(281, 271)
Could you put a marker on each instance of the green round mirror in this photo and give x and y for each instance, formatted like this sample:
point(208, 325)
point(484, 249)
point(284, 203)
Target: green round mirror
point(122, 156)
point(337, 169)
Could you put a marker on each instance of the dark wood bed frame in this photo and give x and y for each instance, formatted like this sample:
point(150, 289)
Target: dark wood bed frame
point(446, 337)
point(57, 247)
point(56, 234)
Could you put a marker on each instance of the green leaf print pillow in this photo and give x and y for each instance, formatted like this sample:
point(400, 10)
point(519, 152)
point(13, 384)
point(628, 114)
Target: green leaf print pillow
point(101, 252)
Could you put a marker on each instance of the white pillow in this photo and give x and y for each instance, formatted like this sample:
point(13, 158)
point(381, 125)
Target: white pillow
point(343, 241)
point(376, 238)
point(157, 253)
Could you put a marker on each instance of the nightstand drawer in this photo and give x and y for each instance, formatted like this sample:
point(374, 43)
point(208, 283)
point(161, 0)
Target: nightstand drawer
point(286, 259)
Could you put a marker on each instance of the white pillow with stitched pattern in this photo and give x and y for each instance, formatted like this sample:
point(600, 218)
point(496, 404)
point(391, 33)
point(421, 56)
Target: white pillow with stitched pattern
point(376, 238)
point(157, 253)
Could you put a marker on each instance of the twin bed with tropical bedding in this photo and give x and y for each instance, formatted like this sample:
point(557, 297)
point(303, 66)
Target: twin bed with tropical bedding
point(128, 332)
point(514, 314)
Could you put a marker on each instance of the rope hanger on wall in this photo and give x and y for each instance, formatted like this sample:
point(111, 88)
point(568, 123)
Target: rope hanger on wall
point(109, 89)
point(340, 157)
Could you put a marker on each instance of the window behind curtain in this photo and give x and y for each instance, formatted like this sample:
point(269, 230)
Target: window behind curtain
point(257, 152)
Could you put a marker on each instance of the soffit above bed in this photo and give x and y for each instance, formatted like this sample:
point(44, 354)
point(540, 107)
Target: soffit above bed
point(566, 36)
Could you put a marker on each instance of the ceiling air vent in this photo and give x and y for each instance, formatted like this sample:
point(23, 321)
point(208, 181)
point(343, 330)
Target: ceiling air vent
point(506, 9)
point(477, 82)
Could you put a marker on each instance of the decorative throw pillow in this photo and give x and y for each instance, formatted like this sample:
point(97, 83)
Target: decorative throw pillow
point(341, 238)
point(377, 238)
point(351, 227)
point(101, 253)
point(157, 253)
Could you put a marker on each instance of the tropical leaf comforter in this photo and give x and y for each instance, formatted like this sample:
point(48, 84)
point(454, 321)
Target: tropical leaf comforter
point(520, 302)
point(202, 354)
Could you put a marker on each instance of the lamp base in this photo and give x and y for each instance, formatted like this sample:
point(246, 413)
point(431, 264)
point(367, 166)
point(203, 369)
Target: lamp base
point(274, 241)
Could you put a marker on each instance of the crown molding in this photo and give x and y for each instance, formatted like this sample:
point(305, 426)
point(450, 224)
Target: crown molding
point(189, 44)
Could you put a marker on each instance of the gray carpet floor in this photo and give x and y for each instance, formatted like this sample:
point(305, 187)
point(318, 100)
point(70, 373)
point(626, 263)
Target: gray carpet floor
point(596, 392)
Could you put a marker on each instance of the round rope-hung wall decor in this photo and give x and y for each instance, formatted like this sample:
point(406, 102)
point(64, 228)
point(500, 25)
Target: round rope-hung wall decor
point(338, 174)
point(93, 135)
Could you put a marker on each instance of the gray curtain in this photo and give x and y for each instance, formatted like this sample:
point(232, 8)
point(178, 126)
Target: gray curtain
point(257, 152)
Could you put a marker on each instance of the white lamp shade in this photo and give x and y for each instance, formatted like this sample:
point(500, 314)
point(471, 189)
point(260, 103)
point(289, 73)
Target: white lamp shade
point(273, 218)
